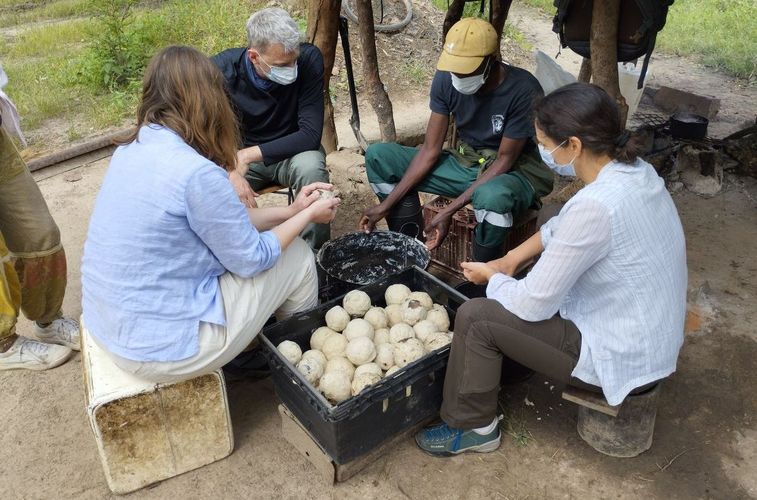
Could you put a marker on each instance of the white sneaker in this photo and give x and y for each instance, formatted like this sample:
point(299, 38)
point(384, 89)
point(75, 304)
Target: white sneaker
point(29, 354)
point(62, 331)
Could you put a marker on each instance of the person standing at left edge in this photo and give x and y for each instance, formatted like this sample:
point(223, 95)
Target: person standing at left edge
point(32, 261)
point(275, 86)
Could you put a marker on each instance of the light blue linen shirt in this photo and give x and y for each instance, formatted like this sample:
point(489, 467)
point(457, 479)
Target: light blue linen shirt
point(165, 226)
point(614, 263)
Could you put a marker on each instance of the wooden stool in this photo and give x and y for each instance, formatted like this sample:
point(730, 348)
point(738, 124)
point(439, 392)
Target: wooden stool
point(622, 431)
point(148, 432)
point(279, 189)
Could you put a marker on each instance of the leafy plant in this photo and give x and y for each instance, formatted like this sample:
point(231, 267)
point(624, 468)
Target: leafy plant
point(118, 47)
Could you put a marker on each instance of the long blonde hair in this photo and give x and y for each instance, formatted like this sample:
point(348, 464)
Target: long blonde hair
point(183, 90)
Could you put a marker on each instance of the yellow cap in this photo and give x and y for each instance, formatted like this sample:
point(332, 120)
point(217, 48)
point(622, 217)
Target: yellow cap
point(468, 41)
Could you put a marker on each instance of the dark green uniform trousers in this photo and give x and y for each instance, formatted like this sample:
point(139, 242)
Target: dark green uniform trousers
point(495, 203)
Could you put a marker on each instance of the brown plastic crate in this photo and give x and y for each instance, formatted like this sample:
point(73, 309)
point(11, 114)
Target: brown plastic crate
point(456, 247)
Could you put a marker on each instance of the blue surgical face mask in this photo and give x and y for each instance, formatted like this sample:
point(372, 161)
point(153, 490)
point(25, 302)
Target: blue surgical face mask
point(546, 156)
point(283, 75)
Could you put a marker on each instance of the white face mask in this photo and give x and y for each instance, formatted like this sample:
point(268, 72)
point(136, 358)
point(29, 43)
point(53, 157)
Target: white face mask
point(470, 84)
point(283, 75)
point(566, 169)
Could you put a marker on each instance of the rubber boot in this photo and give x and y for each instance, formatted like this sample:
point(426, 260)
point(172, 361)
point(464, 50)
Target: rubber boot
point(406, 217)
point(485, 254)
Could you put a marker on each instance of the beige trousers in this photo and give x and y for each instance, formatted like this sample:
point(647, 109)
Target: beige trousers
point(290, 286)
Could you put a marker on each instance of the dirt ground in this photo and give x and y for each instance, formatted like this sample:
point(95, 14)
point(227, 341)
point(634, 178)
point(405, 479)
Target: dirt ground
point(705, 442)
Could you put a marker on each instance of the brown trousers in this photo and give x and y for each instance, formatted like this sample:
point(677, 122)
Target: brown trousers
point(484, 333)
point(30, 239)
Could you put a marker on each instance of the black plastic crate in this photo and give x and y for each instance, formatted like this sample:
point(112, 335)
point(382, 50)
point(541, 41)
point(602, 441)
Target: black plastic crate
point(361, 423)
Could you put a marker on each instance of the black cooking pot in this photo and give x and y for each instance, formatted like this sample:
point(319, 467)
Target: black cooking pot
point(688, 126)
point(362, 258)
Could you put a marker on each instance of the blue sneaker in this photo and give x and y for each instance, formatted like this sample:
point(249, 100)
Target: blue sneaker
point(445, 441)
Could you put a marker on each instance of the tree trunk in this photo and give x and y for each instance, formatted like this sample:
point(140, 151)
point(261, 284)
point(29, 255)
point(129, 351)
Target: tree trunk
point(584, 74)
point(454, 13)
point(382, 106)
point(323, 28)
point(604, 50)
point(500, 10)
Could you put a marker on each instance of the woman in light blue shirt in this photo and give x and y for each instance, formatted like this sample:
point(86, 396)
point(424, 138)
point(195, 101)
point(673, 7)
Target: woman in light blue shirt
point(604, 306)
point(177, 275)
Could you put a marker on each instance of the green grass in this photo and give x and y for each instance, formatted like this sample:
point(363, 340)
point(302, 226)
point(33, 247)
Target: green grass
point(47, 61)
point(40, 41)
point(42, 87)
point(471, 9)
point(545, 5)
point(517, 36)
point(209, 25)
point(415, 72)
point(722, 33)
point(513, 424)
point(45, 11)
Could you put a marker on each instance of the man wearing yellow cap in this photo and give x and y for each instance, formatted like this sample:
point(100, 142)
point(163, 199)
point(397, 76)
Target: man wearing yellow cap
point(495, 165)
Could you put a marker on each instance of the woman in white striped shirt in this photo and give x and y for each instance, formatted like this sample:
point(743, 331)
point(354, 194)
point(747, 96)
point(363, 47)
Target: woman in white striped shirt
point(604, 306)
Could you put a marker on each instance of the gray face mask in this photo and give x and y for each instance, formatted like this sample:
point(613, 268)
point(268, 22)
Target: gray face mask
point(283, 75)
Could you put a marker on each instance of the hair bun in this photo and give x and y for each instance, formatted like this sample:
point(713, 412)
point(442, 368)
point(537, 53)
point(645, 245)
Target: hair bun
point(623, 139)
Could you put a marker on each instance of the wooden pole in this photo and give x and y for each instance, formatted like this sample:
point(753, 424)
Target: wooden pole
point(382, 106)
point(604, 50)
point(454, 13)
point(500, 10)
point(584, 74)
point(323, 28)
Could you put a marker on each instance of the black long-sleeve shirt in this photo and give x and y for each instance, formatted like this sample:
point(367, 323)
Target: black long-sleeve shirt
point(284, 121)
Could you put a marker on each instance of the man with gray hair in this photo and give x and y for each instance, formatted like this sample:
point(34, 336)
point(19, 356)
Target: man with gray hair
point(275, 85)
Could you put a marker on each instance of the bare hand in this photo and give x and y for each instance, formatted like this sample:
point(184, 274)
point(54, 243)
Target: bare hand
point(437, 230)
point(477, 272)
point(323, 211)
point(308, 194)
point(243, 189)
point(371, 216)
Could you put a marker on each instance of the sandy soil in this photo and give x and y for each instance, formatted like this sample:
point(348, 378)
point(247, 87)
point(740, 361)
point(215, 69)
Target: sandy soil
point(706, 436)
point(706, 410)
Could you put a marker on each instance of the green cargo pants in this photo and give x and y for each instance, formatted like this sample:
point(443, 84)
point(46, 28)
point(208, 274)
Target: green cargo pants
point(298, 171)
point(495, 203)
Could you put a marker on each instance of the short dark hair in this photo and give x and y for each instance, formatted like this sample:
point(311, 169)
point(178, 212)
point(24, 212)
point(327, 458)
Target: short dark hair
point(587, 112)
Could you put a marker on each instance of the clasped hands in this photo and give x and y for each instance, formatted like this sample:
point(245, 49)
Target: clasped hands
point(306, 197)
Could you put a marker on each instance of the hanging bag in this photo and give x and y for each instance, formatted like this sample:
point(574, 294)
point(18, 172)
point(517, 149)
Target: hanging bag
point(638, 25)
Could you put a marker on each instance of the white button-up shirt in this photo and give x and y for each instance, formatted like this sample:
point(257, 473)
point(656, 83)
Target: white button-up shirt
point(614, 263)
